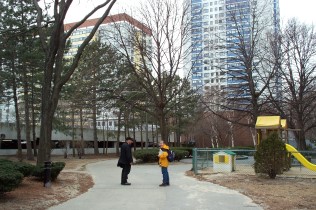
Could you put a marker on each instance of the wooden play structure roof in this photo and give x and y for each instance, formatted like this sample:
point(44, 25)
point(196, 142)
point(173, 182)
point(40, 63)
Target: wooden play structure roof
point(268, 122)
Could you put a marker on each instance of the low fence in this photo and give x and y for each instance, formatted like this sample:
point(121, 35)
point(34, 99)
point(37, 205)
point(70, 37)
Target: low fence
point(202, 162)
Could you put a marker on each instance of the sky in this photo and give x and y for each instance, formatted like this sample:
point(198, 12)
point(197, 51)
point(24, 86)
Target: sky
point(303, 10)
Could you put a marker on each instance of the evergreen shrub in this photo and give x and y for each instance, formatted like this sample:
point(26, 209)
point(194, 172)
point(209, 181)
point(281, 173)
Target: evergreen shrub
point(10, 177)
point(270, 157)
point(56, 168)
point(151, 155)
point(147, 155)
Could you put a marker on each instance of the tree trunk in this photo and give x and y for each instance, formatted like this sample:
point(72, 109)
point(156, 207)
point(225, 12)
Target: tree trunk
point(300, 139)
point(29, 154)
point(55, 76)
point(17, 118)
point(163, 127)
point(33, 119)
point(107, 136)
point(73, 133)
point(118, 133)
point(94, 119)
point(81, 145)
point(34, 129)
point(141, 134)
point(44, 152)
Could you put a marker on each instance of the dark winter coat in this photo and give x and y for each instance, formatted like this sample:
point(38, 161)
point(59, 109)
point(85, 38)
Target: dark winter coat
point(126, 155)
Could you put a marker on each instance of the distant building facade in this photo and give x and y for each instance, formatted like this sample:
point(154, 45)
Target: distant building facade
point(215, 25)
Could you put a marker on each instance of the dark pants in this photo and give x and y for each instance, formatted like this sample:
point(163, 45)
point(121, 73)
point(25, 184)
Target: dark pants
point(126, 168)
point(165, 175)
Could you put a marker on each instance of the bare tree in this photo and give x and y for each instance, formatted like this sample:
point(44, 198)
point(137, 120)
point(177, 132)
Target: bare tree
point(54, 41)
point(248, 67)
point(298, 64)
point(156, 61)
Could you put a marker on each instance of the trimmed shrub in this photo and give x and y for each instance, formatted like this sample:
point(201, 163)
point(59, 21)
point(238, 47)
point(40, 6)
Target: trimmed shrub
point(151, 155)
point(56, 168)
point(270, 157)
point(147, 155)
point(25, 168)
point(188, 149)
point(10, 177)
point(180, 153)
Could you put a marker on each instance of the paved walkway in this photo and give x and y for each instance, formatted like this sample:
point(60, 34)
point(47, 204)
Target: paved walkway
point(184, 193)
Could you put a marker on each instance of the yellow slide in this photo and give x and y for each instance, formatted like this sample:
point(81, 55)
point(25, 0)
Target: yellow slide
point(300, 157)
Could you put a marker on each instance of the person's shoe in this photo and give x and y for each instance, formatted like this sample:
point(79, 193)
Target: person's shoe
point(163, 185)
point(126, 183)
point(168, 184)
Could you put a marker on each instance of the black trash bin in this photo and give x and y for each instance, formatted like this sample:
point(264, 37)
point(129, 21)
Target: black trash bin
point(47, 173)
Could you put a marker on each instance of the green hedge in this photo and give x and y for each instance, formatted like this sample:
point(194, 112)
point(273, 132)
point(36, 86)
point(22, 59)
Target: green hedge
point(151, 155)
point(56, 168)
point(10, 177)
point(147, 155)
point(187, 149)
point(180, 154)
point(25, 168)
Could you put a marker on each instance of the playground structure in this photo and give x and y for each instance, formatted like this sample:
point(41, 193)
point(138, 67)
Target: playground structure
point(268, 124)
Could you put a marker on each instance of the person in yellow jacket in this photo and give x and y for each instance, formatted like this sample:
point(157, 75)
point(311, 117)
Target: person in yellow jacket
point(164, 163)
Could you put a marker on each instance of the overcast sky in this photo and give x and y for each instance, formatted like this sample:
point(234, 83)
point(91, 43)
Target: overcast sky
point(304, 10)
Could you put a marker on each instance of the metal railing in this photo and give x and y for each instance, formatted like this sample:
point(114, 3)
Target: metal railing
point(202, 162)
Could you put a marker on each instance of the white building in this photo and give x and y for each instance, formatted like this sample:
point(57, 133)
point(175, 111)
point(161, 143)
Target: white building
point(215, 26)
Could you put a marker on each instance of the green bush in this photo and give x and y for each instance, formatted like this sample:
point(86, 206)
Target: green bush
point(10, 177)
point(180, 153)
point(147, 155)
point(151, 155)
point(56, 168)
point(25, 168)
point(188, 149)
point(270, 157)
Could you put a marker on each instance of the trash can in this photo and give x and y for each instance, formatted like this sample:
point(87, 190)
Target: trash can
point(47, 173)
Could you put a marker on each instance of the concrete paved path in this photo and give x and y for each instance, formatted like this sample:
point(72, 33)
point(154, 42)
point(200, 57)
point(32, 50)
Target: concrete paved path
point(184, 193)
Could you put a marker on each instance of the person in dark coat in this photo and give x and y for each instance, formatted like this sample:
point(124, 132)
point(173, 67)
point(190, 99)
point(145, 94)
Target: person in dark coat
point(126, 159)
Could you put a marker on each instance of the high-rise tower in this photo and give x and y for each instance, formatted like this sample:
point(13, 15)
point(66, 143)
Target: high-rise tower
point(219, 28)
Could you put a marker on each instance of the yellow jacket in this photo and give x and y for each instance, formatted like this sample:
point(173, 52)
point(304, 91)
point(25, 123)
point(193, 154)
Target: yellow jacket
point(163, 161)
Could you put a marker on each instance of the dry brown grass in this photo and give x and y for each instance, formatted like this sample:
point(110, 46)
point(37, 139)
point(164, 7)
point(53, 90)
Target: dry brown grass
point(271, 194)
point(32, 195)
point(280, 193)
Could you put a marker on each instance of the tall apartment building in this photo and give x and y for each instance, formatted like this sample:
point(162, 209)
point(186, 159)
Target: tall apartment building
point(215, 26)
point(109, 32)
point(120, 32)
